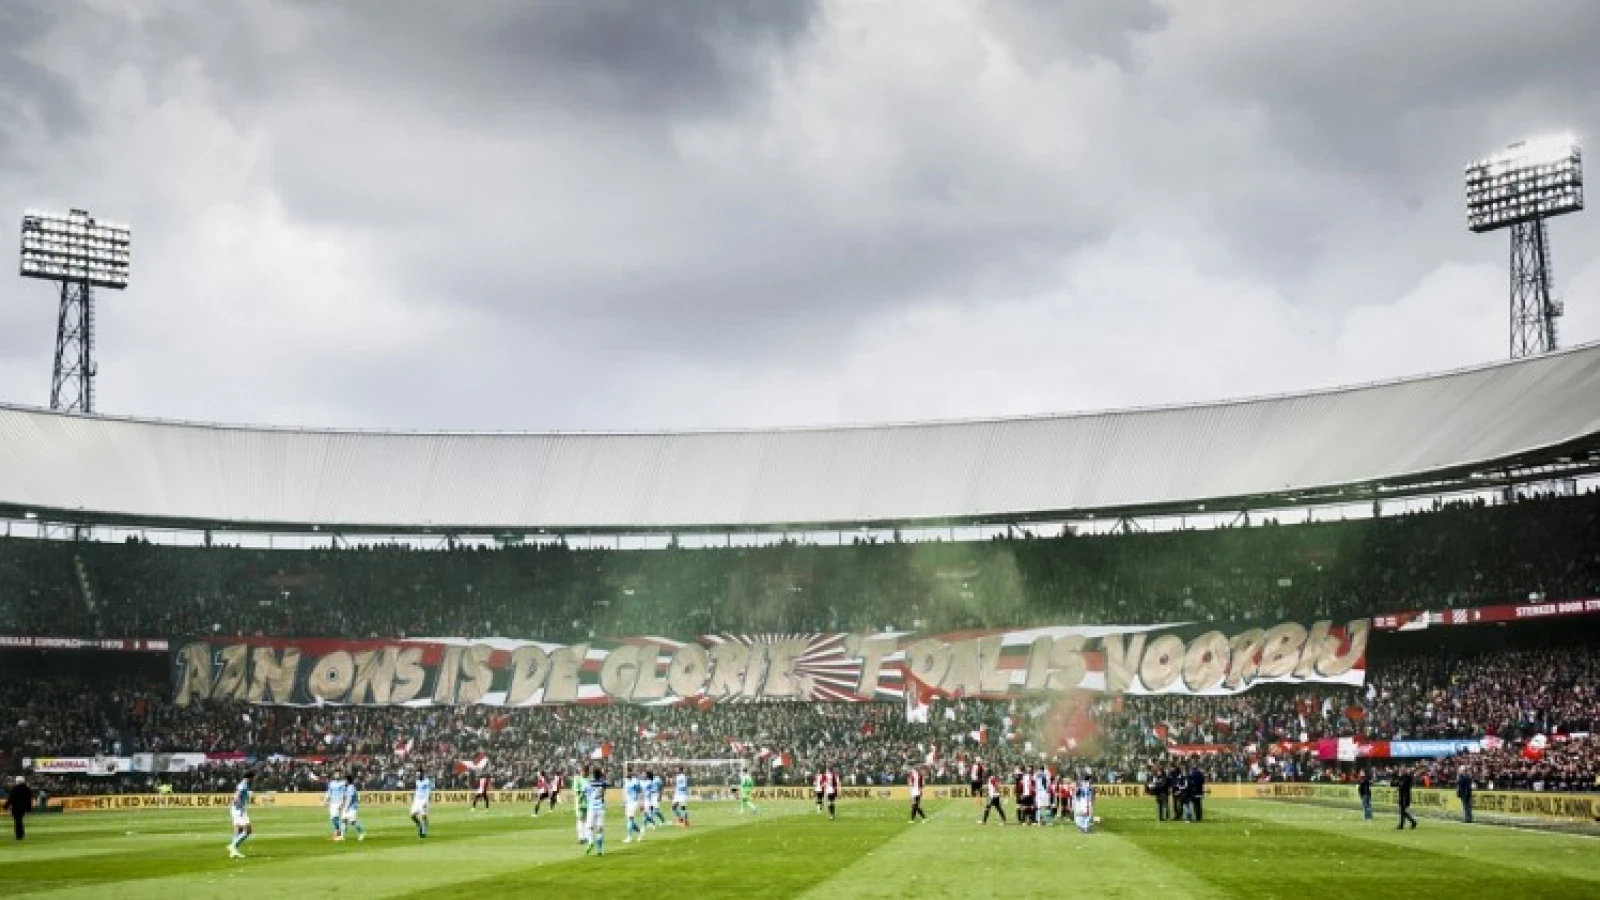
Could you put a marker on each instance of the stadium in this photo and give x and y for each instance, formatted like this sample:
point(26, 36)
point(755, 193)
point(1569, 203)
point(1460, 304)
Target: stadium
point(1310, 641)
point(1438, 613)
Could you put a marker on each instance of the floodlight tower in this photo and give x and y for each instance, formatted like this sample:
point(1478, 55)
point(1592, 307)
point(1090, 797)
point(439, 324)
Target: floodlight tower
point(79, 253)
point(1519, 188)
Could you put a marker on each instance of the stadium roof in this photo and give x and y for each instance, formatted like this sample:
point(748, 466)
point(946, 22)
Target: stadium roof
point(1313, 447)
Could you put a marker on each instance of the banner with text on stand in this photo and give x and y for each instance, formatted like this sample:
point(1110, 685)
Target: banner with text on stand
point(1139, 659)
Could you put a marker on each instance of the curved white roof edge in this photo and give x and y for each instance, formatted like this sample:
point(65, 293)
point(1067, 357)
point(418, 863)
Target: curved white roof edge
point(837, 426)
point(927, 471)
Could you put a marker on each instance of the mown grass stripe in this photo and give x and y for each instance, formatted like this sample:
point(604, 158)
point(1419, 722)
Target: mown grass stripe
point(779, 854)
point(1247, 850)
point(1566, 855)
point(952, 856)
point(280, 839)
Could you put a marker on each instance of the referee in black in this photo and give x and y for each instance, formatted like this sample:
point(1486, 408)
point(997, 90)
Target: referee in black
point(1195, 786)
point(19, 802)
point(1402, 786)
point(1160, 789)
point(1177, 788)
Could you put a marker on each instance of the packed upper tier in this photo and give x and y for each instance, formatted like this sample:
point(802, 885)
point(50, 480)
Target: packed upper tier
point(1458, 555)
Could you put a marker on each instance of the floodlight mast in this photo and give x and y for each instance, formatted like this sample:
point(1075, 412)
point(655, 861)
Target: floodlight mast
point(1520, 188)
point(78, 253)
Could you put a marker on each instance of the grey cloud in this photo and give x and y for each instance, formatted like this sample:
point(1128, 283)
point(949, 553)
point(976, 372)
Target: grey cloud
point(519, 167)
point(767, 295)
point(29, 91)
point(1042, 32)
point(1382, 91)
point(500, 61)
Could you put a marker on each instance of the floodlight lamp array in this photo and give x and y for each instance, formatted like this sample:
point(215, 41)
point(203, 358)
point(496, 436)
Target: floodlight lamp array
point(75, 247)
point(1529, 181)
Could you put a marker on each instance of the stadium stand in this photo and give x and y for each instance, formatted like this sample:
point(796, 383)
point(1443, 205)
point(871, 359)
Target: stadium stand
point(1459, 555)
point(1467, 684)
point(1427, 436)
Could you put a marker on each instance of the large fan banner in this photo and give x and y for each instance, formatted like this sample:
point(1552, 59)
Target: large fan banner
point(1141, 659)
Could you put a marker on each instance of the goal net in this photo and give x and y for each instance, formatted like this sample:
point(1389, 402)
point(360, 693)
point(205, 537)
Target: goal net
point(709, 779)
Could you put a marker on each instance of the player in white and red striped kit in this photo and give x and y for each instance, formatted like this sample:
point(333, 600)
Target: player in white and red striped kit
point(816, 788)
point(830, 789)
point(992, 786)
point(482, 793)
point(541, 793)
point(1023, 785)
point(1063, 804)
point(914, 782)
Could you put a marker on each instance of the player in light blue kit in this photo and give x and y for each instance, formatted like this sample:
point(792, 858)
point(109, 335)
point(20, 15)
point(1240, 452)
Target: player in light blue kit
point(350, 815)
point(419, 803)
point(633, 802)
point(652, 801)
point(335, 800)
point(1083, 803)
point(680, 797)
point(1041, 796)
point(240, 808)
point(596, 790)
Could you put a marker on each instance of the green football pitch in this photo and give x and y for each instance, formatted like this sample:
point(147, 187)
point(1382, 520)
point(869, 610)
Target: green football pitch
point(1248, 848)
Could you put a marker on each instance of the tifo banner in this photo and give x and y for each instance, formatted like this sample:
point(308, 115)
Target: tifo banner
point(1150, 659)
point(1484, 615)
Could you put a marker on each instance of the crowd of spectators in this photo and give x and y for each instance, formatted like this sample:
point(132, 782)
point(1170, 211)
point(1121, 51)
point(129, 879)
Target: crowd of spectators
point(1572, 764)
point(1517, 695)
point(1511, 694)
point(1456, 555)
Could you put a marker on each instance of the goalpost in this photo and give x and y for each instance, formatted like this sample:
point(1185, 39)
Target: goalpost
point(709, 779)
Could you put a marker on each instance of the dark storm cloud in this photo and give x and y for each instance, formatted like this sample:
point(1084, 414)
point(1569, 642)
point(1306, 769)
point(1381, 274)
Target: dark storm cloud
point(1379, 107)
point(508, 60)
point(29, 92)
point(603, 84)
point(603, 213)
point(1382, 92)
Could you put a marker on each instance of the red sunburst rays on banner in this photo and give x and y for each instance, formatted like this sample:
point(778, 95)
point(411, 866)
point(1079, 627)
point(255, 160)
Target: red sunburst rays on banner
point(825, 671)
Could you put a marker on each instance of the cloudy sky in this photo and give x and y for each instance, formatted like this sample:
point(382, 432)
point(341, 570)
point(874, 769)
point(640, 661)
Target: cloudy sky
point(607, 214)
